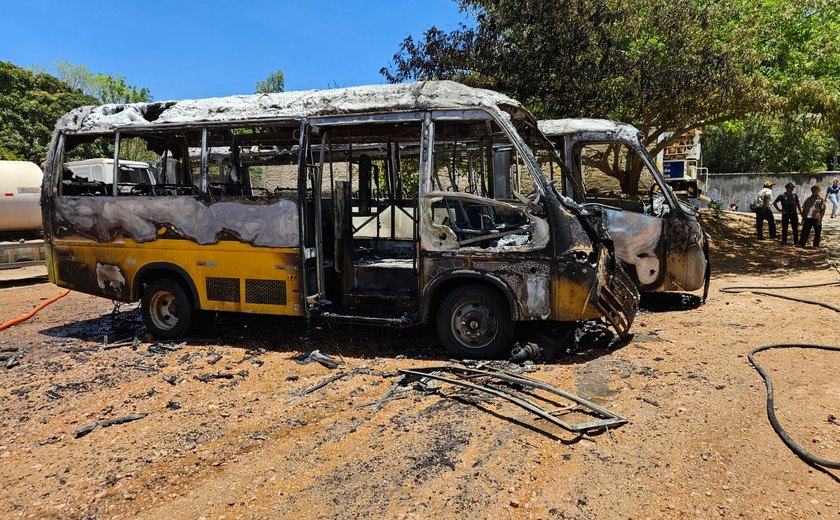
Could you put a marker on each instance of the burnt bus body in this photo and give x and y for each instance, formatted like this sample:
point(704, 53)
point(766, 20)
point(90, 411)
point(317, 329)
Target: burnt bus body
point(656, 235)
point(389, 205)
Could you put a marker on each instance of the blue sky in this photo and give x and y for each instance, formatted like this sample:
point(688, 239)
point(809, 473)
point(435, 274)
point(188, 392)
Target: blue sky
point(180, 49)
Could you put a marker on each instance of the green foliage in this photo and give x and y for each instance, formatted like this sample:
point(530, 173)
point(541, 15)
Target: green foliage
point(30, 105)
point(105, 88)
point(663, 66)
point(31, 101)
point(798, 43)
point(134, 149)
point(766, 144)
point(275, 82)
point(716, 206)
point(658, 65)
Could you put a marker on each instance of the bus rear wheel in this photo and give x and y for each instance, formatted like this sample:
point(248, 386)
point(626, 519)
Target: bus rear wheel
point(167, 309)
point(474, 322)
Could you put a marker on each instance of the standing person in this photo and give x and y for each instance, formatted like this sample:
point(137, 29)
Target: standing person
point(763, 211)
point(833, 194)
point(813, 210)
point(790, 211)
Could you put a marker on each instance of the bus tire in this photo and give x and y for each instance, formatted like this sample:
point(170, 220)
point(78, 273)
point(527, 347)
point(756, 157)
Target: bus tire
point(474, 322)
point(167, 309)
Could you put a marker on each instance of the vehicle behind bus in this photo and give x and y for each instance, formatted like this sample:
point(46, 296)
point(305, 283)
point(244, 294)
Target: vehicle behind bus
point(681, 163)
point(20, 191)
point(97, 175)
point(386, 205)
point(656, 235)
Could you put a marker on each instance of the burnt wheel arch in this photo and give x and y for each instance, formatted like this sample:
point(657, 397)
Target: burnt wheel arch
point(163, 270)
point(444, 284)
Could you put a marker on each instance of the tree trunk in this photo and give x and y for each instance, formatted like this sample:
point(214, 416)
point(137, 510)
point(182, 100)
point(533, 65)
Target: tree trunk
point(630, 180)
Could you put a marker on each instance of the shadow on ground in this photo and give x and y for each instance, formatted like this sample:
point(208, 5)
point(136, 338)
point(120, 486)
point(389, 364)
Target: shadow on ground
point(289, 334)
point(735, 249)
point(670, 302)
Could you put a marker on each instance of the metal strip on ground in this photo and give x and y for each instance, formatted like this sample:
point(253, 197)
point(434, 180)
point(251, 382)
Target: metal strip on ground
point(610, 419)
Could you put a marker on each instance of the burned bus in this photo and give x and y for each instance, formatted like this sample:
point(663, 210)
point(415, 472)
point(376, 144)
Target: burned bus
point(384, 205)
point(656, 235)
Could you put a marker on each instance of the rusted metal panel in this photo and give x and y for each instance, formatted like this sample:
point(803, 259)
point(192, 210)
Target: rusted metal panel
point(270, 223)
point(686, 261)
point(529, 280)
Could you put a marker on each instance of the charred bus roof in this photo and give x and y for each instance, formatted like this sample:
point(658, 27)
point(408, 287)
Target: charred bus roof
point(290, 106)
point(582, 126)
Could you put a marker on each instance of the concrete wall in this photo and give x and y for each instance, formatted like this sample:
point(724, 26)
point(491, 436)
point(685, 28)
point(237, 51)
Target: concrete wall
point(742, 188)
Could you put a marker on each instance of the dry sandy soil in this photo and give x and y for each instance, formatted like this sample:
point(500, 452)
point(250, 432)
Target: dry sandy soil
point(698, 443)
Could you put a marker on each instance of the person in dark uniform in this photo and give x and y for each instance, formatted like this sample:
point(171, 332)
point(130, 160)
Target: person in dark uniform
point(790, 210)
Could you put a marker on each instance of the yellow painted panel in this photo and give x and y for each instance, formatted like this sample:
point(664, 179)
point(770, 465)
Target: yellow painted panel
point(227, 259)
point(570, 299)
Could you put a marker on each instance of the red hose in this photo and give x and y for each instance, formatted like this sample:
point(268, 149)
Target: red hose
point(33, 311)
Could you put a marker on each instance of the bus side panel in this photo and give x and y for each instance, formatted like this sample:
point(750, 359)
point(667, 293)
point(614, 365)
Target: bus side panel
point(574, 291)
point(227, 276)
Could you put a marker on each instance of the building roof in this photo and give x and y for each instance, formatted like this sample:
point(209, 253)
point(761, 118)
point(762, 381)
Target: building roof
point(404, 97)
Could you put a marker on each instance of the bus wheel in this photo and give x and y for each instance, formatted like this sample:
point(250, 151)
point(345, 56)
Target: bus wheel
point(474, 322)
point(167, 309)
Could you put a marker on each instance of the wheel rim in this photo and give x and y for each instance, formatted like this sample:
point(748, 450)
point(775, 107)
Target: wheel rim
point(474, 324)
point(163, 310)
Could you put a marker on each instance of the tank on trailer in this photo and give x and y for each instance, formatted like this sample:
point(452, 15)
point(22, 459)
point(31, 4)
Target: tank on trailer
point(20, 196)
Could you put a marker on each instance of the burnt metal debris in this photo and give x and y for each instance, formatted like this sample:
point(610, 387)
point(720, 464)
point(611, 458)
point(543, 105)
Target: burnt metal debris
point(515, 389)
point(84, 430)
point(334, 378)
point(12, 362)
point(487, 380)
point(165, 348)
point(206, 378)
point(316, 356)
point(133, 343)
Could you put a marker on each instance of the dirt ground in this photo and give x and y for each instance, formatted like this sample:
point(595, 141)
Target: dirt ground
point(698, 443)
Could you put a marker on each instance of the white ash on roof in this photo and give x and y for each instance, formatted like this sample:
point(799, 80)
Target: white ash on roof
point(554, 127)
point(427, 95)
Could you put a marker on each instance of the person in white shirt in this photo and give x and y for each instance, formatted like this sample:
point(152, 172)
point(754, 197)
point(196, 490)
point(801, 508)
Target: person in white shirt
point(764, 212)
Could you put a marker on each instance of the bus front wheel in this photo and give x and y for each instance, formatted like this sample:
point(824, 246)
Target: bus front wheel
point(474, 322)
point(167, 309)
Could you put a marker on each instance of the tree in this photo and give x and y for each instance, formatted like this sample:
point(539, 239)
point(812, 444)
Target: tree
point(106, 88)
point(30, 104)
point(275, 82)
point(662, 66)
point(799, 48)
point(766, 143)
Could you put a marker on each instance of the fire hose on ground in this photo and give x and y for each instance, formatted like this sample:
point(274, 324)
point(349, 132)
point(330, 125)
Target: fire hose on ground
point(34, 311)
point(771, 411)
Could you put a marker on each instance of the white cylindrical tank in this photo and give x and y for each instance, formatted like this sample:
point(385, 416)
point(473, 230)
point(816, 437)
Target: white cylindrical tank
point(20, 196)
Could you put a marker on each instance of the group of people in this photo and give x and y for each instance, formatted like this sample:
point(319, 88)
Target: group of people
point(812, 210)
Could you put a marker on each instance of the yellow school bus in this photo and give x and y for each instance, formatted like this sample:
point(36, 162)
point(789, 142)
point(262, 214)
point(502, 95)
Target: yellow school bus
point(386, 205)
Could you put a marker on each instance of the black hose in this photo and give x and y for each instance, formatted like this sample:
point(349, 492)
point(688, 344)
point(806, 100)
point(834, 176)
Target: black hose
point(771, 411)
point(763, 291)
